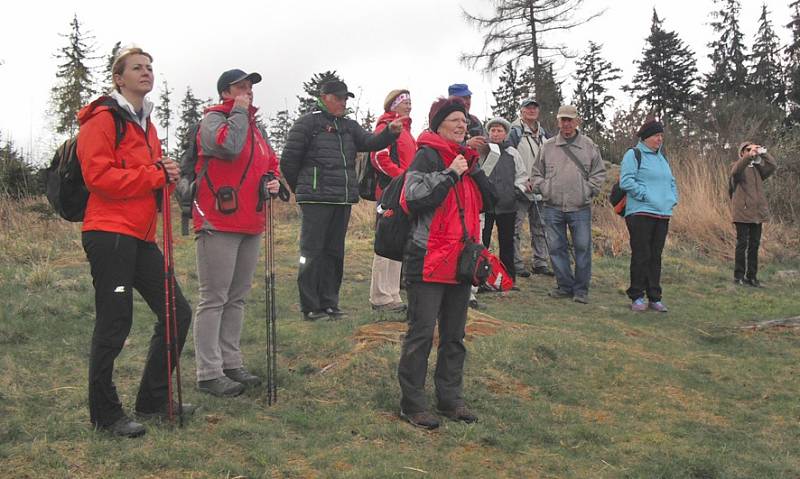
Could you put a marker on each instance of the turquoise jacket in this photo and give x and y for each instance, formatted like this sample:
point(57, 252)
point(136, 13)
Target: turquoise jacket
point(651, 188)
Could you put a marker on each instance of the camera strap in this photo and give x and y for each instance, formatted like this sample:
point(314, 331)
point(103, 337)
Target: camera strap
point(204, 171)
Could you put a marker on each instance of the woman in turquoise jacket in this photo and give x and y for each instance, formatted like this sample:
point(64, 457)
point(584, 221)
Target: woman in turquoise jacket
point(652, 193)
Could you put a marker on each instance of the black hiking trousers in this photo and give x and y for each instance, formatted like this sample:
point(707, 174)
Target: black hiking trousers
point(323, 228)
point(647, 238)
point(120, 264)
point(748, 240)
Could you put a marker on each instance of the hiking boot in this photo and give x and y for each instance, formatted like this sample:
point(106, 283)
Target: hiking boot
point(657, 306)
point(460, 413)
point(314, 315)
point(753, 282)
point(162, 413)
point(559, 294)
point(638, 305)
point(424, 420)
point(524, 273)
point(581, 298)
point(221, 387)
point(397, 307)
point(738, 281)
point(543, 270)
point(124, 427)
point(474, 304)
point(334, 313)
point(242, 375)
point(485, 288)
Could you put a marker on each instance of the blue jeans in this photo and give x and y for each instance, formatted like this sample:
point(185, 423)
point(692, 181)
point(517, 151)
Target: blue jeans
point(580, 230)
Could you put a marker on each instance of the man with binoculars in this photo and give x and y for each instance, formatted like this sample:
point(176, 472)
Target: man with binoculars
point(749, 208)
point(235, 164)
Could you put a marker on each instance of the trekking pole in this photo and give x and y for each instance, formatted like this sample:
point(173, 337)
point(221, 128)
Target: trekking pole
point(170, 307)
point(269, 286)
point(542, 224)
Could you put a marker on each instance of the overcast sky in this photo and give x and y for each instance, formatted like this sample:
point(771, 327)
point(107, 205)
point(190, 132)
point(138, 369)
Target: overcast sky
point(375, 46)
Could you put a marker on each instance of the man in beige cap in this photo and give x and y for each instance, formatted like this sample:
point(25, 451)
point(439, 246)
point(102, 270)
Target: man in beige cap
point(568, 173)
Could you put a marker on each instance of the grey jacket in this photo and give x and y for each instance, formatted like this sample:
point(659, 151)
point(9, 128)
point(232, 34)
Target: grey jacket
point(528, 143)
point(560, 181)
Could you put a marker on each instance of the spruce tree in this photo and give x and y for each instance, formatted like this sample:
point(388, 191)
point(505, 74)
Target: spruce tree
point(591, 93)
point(666, 74)
point(793, 64)
point(108, 78)
point(75, 84)
point(368, 122)
point(512, 90)
point(766, 78)
point(729, 72)
point(312, 87)
point(548, 94)
point(164, 113)
point(279, 126)
point(191, 112)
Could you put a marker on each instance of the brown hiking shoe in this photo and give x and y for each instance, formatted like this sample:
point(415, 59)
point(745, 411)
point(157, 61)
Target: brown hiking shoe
point(460, 413)
point(424, 420)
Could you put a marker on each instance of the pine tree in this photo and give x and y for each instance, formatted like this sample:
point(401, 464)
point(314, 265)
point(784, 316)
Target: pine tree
point(17, 176)
point(75, 85)
point(548, 94)
point(793, 64)
point(108, 80)
point(164, 113)
point(665, 79)
point(591, 94)
point(517, 30)
point(312, 87)
point(279, 126)
point(729, 73)
point(368, 121)
point(191, 112)
point(765, 72)
point(512, 90)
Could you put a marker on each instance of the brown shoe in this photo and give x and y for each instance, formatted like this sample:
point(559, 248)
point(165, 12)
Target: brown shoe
point(424, 420)
point(460, 413)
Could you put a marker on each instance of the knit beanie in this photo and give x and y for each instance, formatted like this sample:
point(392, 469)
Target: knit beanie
point(387, 103)
point(649, 129)
point(742, 146)
point(443, 107)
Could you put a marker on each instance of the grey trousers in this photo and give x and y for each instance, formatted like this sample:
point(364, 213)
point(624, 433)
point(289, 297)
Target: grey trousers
point(384, 288)
point(428, 302)
point(226, 263)
point(538, 244)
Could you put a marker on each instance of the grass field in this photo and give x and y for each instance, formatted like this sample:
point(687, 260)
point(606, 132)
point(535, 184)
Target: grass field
point(562, 390)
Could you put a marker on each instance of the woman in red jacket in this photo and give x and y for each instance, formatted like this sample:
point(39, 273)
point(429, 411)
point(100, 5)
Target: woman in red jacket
point(384, 290)
point(233, 157)
point(443, 174)
point(125, 179)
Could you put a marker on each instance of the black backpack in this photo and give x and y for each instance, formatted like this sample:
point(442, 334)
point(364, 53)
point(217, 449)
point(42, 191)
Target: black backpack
point(394, 225)
point(66, 191)
point(618, 196)
point(370, 177)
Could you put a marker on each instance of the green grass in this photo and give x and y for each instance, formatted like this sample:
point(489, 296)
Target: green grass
point(572, 391)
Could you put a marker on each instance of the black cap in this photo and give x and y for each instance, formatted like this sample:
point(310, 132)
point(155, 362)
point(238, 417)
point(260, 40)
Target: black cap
point(230, 77)
point(528, 102)
point(335, 87)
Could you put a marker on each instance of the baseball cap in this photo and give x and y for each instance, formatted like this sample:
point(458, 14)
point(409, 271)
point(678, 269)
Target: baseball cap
point(335, 87)
point(230, 77)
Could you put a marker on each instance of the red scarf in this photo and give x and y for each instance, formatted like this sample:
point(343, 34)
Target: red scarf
point(447, 150)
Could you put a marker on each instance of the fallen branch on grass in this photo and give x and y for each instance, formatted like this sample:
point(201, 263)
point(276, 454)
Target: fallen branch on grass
point(793, 322)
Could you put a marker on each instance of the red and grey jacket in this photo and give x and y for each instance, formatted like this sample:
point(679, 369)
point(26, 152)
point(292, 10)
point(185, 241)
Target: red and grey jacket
point(429, 196)
point(405, 147)
point(123, 182)
point(238, 156)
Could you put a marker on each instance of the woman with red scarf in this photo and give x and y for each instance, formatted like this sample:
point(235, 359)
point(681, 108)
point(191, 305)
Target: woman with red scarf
point(443, 175)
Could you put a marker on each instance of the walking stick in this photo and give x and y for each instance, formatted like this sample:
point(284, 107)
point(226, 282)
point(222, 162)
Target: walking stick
point(170, 310)
point(541, 223)
point(269, 286)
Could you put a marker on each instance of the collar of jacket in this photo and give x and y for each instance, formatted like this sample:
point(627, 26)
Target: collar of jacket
point(227, 105)
point(147, 108)
point(446, 149)
point(560, 140)
point(647, 149)
point(526, 130)
point(390, 116)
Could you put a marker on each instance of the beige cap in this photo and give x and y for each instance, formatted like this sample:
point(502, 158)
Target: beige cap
point(567, 111)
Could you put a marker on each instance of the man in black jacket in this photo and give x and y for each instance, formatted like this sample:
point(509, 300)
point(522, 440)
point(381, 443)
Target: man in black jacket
point(318, 162)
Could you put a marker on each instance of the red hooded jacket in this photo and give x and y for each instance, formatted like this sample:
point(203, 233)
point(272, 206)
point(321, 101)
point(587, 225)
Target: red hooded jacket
point(406, 149)
point(228, 172)
point(122, 182)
